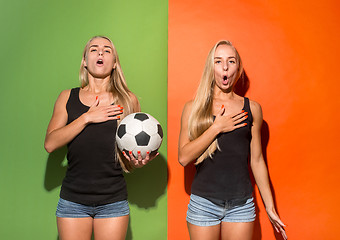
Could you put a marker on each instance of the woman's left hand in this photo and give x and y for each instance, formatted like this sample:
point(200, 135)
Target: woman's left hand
point(139, 161)
point(277, 223)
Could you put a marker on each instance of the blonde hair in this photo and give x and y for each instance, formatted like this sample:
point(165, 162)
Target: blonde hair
point(201, 117)
point(118, 88)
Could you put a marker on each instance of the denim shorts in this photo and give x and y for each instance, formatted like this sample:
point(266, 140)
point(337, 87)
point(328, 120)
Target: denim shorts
point(67, 209)
point(204, 212)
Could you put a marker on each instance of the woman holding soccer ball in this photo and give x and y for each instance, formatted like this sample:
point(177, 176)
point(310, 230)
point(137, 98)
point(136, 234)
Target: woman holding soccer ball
point(220, 130)
point(93, 196)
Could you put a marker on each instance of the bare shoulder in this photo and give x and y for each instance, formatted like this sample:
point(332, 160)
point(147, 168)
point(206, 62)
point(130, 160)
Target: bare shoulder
point(187, 108)
point(256, 110)
point(63, 97)
point(255, 106)
point(186, 112)
point(188, 105)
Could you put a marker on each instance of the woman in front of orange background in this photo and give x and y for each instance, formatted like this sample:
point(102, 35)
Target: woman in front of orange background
point(221, 129)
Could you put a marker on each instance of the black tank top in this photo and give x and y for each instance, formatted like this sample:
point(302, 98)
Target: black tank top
point(93, 176)
point(225, 176)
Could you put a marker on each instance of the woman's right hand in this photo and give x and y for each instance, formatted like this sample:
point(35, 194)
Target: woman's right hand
point(227, 123)
point(97, 114)
point(59, 133)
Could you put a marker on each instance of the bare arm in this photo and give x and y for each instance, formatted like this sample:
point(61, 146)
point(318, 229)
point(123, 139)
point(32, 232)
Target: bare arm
point(188, 150)
point(260, 171)
point(59, 134)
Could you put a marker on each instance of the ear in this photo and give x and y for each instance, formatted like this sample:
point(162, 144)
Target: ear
point(114, 65)
point(84, 63)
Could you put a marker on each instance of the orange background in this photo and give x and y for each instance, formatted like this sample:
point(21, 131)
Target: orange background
point(290, 52)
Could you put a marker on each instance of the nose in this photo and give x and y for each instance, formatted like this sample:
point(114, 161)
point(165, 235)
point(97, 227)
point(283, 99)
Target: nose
point(225, 66)
point(100, 52)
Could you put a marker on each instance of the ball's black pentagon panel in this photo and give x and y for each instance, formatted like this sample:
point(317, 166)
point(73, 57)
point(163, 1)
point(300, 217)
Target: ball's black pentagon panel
point(160, 130)
point(121, 130)
point(141, 116)
point(142, 139)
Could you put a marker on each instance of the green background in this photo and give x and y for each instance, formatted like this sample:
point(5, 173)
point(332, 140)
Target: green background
point(41, 47)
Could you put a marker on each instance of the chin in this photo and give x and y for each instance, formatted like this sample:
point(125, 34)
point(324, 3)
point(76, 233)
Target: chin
point(101, 75)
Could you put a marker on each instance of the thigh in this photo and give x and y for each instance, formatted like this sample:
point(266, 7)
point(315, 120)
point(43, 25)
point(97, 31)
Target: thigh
point(237, 230)
point(238, 223)
point(204, 233)
point(111, 228)
point(75, 228)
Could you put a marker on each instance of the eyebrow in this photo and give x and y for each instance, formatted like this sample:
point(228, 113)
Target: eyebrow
point(105, 46)
point(221, 57)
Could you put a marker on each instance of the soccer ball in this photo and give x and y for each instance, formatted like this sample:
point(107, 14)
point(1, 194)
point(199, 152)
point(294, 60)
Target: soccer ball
point(139, 132)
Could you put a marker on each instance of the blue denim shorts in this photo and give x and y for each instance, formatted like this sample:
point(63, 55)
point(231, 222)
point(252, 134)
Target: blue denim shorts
point(204, 212)
point(67, 209)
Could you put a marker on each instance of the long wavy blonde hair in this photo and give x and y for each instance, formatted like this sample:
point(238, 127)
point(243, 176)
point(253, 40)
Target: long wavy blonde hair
point(118, 88)
point(201, 117)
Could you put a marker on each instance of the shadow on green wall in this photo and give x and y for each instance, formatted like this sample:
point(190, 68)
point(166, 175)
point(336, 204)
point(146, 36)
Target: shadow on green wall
point(145, 185)
point(55, 169)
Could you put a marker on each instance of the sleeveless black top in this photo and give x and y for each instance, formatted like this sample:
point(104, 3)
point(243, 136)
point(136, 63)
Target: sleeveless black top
point(93, 176)
point(225, 176)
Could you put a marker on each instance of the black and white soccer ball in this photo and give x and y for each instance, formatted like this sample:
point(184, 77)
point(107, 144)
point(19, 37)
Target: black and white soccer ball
point(139, 132)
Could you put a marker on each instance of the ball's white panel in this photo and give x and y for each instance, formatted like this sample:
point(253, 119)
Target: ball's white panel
point(119, 143)
point(150, 126)
point(134, 126)
point(127, 142)
point(155, 142)
point(128, 118)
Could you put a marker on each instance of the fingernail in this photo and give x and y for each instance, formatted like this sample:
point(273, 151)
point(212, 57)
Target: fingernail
point(138, 152)
point(245, 124)
point(118, 105)
point(246, 112)
point(130, 152)
point(222, 106)
point(246, 116)
point(121, 108)
point(121, 111)
point(147, 152)
point(118, 117)
point(96, 97)
point(242, 110)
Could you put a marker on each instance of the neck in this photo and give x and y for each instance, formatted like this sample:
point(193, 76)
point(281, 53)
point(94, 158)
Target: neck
point(98, 85)
point(224, 95)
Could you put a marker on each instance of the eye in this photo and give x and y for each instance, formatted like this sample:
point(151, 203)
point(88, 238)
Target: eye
point(93, 50)
point(108, 51)
point(232, 61)
point(217, 61)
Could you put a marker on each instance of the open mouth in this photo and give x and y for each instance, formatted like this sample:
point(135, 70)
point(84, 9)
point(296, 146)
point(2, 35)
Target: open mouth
point(225, 79)
point(100, 62)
